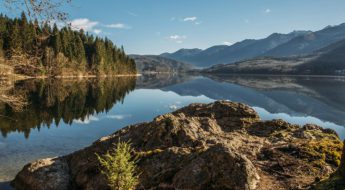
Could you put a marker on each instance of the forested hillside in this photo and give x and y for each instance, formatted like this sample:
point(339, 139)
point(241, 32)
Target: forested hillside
point(158, 64)
point(35, 49)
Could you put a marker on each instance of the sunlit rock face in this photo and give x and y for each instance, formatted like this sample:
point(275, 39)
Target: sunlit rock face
point(222, 145)
point(342, 165)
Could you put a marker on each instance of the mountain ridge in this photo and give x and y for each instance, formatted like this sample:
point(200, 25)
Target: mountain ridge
point(295, 43)
point(327, 61)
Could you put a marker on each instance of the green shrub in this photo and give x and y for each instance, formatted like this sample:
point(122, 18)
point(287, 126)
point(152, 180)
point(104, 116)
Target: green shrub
point(120, 167)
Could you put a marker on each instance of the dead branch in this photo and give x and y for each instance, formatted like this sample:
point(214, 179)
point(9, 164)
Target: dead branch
point(45, 11)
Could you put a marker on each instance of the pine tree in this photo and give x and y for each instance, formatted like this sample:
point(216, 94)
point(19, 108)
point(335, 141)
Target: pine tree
point(56, 41)
point(2, 34)
point(15, 37)
point(120, 168)
point(79, 51)
point(99, 56)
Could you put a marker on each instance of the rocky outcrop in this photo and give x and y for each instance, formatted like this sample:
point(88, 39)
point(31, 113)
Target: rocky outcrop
point(341, 169)
point(222, 145)
point(336, 181)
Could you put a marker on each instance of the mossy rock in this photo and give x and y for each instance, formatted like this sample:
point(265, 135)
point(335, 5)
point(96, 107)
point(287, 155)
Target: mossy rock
point(337, 180)
point(333, 183)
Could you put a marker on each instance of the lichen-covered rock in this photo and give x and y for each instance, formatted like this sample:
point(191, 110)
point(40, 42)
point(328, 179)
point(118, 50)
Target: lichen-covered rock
point(45, 174)
point(214, 168)
point(222, 145)
point(336, 181)
point(341, 169)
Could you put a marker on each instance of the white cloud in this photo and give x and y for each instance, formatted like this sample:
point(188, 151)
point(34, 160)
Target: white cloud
point(177, 37)
point(172, 18)
point(267, 10)
point(86, 120)
point(117, 26)
point(118, 116)
point(246, 21)
point(227, 43)
point(83, 23)
point(191, 19)
point(59, 24)
point(97, 31)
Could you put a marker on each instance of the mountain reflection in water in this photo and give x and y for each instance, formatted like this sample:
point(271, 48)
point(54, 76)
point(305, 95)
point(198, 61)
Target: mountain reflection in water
point(60, 116)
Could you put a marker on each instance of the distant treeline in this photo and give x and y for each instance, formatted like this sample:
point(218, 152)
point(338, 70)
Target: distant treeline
point(41, 49)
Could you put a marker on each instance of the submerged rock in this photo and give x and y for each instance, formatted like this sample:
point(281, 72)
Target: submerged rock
point(222, 145)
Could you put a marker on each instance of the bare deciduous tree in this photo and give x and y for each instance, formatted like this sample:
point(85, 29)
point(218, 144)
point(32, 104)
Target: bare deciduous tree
point(42, 10)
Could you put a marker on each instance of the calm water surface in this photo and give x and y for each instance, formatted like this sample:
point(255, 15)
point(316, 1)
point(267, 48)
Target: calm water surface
point(62, 116)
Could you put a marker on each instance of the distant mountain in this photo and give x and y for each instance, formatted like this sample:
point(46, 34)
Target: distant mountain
point(327, 61)
point(296, 43)
point(309, 42)
point(181, 54)
point(228, 54)
point(330, 60)
point(157, 64)
point(264, 65)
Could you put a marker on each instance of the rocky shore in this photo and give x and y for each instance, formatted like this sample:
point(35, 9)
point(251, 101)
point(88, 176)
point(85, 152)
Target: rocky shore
point(222, 145)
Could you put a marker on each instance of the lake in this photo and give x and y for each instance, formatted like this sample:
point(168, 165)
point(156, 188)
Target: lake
point(49, 118)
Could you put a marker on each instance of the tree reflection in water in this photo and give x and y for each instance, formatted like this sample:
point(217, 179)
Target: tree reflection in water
point(56, 100)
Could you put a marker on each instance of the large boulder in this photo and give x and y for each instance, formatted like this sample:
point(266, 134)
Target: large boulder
point(52, 172)
point(222, 145)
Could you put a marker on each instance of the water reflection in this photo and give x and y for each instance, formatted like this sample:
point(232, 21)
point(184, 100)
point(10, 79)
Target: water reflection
point(53, 101)
point(320, 97)
point(62, 116)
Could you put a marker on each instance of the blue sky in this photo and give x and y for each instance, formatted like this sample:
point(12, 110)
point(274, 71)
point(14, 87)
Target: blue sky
point(157, 26)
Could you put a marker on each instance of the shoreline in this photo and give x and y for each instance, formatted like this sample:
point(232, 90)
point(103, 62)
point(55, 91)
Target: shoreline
point(18, 77)
point(23, 77)
point(272, 75)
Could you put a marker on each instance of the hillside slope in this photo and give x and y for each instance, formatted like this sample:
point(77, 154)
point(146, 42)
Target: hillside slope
point(309, 42)
point(157, 64)
point(328, 61)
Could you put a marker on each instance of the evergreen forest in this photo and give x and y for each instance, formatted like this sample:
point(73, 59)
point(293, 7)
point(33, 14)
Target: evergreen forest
point(35, 49)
